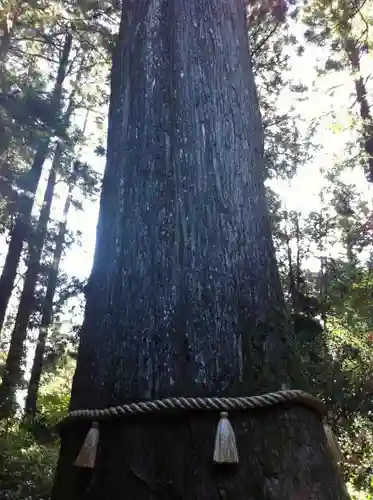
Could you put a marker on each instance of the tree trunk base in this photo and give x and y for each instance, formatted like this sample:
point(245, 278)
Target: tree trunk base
point(283, 456)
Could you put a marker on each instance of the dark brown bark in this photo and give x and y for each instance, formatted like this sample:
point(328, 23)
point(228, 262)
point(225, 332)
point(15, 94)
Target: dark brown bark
point(184, 297)
point(20, 232)
point(47, 313)
point(12, 375)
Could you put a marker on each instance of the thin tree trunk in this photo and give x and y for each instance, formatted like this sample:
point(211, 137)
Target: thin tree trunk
point(7, 27)
point(362, 99)
point(184, 298)
point(47, 313)
point(12, 375)
point(351, 48)
point(4, 47)
point(323, 272)
point(47, 308)
point(20, 232)
point(291, 277)
point(298, 259)
point(350, 249)
point(294, 268)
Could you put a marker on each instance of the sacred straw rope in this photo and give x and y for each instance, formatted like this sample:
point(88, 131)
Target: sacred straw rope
point(225, 450)
point(214, 403)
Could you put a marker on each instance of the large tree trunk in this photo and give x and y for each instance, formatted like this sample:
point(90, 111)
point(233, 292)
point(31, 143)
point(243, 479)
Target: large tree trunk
point(47, 313)
point(12, 375)
point(184, 297)
point(30, 183)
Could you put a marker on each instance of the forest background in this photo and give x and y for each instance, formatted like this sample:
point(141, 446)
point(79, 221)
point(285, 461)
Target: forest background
point(313, 64)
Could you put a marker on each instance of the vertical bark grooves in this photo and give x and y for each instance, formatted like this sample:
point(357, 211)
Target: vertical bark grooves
point(13, 367)
point(47, 312)
point(187, 213)
point(20, 232)
point(184, 297)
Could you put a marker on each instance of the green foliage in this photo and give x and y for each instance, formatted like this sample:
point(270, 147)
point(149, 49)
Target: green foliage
point(333, 320)
point(29, 449)
point(344, 28)
point(54, 394)
point(284, 147)
point(26, 466)
point(358, 495)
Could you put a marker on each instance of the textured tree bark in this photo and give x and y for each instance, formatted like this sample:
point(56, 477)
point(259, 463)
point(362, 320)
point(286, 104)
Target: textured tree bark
point(21, 228)
point(184, 297)
point(47, 313)
point(12, 374)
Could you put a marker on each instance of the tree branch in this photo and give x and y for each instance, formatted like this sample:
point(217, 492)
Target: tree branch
point(265, 40)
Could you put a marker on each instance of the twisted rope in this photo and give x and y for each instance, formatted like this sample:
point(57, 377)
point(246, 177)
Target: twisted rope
point(214, 403)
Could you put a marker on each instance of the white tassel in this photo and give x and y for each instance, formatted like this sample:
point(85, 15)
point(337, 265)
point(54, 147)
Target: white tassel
point(225, 451)
point(332, 442)
point(87, 455)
